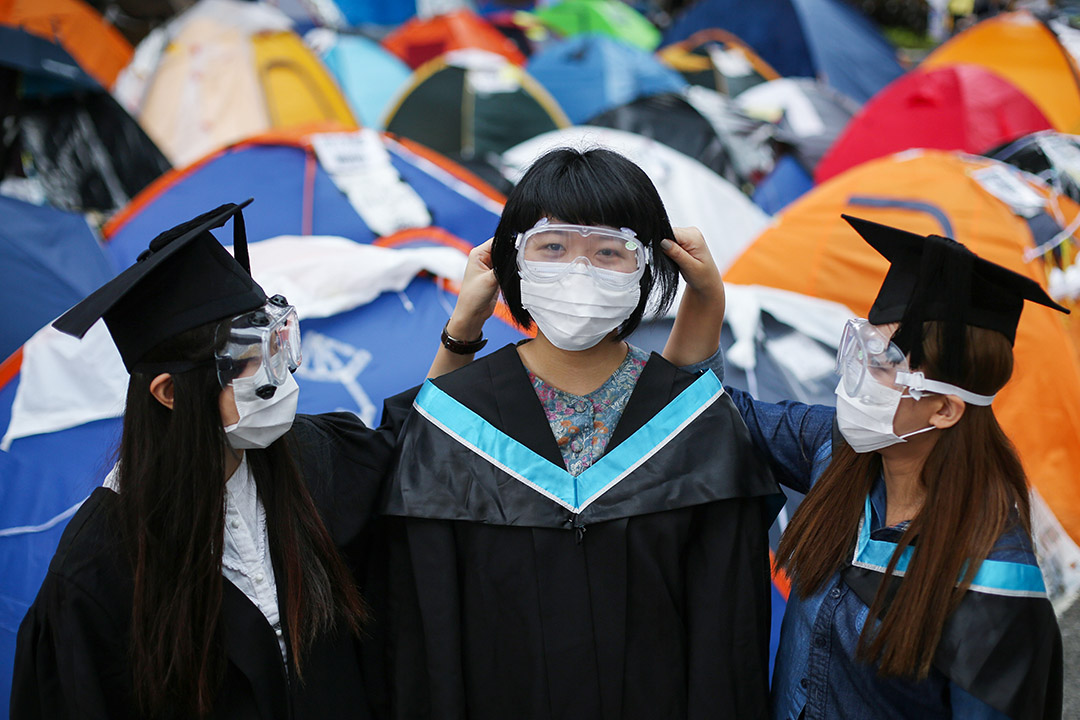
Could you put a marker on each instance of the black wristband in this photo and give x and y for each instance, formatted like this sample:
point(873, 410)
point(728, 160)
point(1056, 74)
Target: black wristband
point(461, 347)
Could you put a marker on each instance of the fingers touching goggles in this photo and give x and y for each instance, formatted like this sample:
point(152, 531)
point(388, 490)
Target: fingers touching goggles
point(866, 354)
point(548, 251)
point(263, 344)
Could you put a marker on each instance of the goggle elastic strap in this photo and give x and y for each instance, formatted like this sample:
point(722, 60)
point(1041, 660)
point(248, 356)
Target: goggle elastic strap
point(917, 384)
point(171, 366)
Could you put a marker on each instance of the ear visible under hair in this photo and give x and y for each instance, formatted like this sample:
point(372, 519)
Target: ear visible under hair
point(163, 390)
point(951, 410)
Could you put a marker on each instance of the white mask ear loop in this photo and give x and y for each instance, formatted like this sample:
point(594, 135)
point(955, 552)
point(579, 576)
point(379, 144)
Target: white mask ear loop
point(905, 436)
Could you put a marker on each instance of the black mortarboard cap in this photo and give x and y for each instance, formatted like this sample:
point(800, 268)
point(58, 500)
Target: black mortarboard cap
point(183, 280)
point(936, 278)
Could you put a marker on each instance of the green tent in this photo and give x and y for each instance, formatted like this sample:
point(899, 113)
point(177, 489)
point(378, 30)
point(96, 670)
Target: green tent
point(472, 105)
point(604, 17)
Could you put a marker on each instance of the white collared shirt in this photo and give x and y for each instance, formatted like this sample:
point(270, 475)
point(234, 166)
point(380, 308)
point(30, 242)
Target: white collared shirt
point(245, 559)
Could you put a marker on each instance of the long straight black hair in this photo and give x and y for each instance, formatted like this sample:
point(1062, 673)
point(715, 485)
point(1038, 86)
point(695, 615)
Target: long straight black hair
point(171, 512)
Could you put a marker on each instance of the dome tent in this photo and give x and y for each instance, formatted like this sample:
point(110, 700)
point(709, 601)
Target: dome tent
point(1023, 50)
point(485, 103)
point(222, 71)
point(954, 107)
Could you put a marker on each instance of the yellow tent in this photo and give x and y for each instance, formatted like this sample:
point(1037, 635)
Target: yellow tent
point(811, 250)
point(1020, 48)
point(225, 76)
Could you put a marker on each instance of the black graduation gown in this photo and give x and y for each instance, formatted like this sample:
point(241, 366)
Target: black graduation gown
point(72, 658)
point(506, 599)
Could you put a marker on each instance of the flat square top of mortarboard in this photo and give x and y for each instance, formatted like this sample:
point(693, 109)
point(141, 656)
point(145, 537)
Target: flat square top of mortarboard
point(183, 280)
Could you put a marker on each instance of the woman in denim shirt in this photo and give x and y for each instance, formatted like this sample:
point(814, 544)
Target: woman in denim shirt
point(912, 477)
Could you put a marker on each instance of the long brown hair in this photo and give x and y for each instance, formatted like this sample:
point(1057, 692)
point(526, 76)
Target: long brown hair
point(171, 513)
point(974, 484)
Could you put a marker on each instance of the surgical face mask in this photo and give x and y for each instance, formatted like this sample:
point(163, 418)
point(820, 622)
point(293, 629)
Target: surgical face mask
point(575, 311)
point(866, 421)
point(261, 421)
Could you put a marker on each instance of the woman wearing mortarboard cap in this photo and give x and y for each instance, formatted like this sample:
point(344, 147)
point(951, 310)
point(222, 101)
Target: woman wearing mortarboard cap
point(915, 588)
point(207, 578)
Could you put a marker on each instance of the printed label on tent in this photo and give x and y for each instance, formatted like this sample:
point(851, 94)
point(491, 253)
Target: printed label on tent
point(360, 166)
point(328, 359)
point(1007, 187)
point(732, 63)
point(493, 79)
point(1063, 154)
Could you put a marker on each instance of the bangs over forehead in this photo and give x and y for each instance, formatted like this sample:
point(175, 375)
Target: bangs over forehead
point(598, 187)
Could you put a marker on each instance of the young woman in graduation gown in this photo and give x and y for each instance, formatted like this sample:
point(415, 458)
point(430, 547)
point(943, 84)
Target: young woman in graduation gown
point(210, 578)
point(576, 529)
point(915, 588)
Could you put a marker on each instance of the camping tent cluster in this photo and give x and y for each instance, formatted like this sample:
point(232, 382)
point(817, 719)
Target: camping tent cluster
point(379, 139)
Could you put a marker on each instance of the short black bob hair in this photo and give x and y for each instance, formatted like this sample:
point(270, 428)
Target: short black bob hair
point(587, 187)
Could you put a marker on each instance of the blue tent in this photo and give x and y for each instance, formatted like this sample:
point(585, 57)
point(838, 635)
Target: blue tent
point(588, 74)
point(828, 39)
point(376, 12)
point(294, 195)
point(369, 75)
point(352, 362)
point(786, 183)
point(49, 260)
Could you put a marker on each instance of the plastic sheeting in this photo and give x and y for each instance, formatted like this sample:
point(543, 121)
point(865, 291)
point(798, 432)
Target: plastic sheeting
point(86, 151)
point(702, 124)
point(809, 114)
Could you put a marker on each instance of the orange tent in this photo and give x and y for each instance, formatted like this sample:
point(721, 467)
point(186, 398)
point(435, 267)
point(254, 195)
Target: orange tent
point(97, 46)
point(418, 41)
point(1020, 48)
point(811, 250)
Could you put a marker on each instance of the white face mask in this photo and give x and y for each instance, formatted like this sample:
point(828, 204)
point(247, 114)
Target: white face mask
point(866, 422)
point(261, 421)
point(576, 312)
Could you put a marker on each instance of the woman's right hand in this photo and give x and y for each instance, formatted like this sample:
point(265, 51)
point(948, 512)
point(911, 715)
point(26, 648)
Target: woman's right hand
point(477, 296)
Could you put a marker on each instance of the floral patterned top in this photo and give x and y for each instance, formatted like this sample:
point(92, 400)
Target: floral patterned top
point(582, 425)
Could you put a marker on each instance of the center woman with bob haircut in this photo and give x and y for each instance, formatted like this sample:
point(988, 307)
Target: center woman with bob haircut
point(576, 528)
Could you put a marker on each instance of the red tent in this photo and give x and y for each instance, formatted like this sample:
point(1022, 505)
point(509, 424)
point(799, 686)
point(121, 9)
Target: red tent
point(420, 40)
point(959, 107)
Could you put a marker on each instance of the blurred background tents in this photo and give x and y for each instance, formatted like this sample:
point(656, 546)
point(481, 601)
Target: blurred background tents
point(379, 137)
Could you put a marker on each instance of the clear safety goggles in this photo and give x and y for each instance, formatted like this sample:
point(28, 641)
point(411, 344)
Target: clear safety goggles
point(263, 343)
point(548, 251)
point(866, 354)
